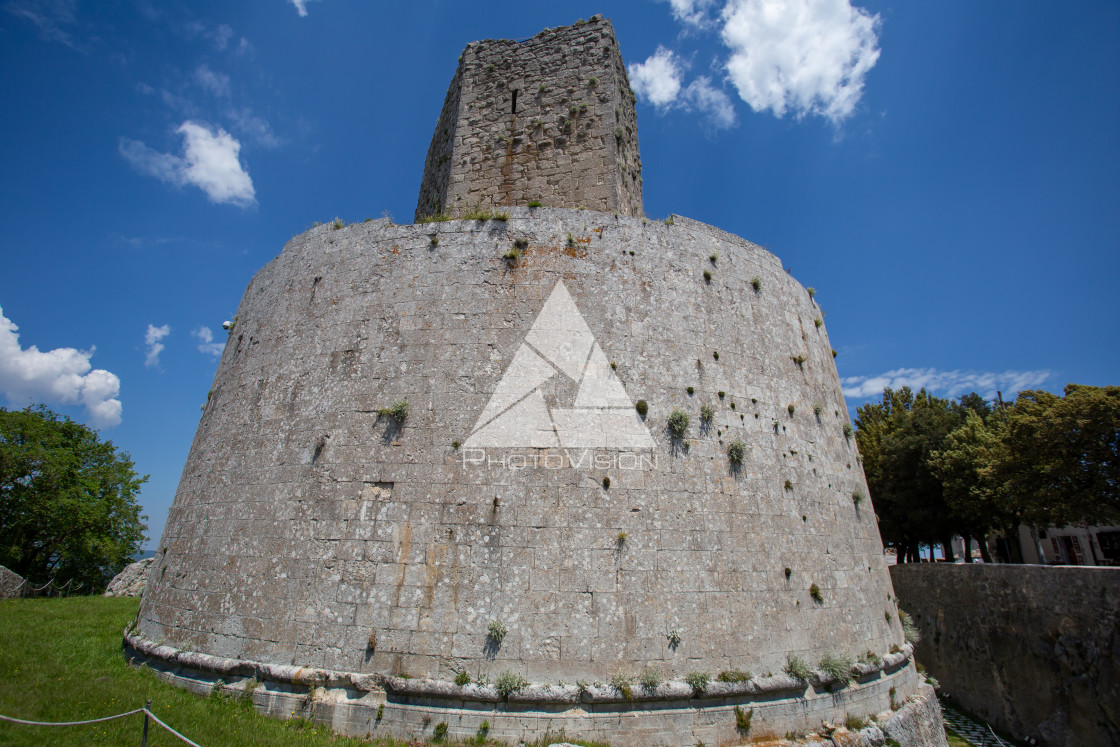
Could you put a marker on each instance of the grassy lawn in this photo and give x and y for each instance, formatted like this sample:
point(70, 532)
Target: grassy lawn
point(956, 740)
point(61, 660)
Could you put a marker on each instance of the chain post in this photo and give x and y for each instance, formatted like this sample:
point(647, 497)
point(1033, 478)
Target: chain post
point(144, 737)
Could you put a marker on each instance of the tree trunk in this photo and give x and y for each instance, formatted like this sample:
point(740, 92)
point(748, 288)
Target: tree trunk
point(983, 541)
point(947, 548)
point(967, 547)
point(931, 558)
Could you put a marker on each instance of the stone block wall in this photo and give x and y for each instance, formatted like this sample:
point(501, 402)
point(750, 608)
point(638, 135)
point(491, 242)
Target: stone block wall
point(550, 119)
point(1034, 650)
point(309, 530)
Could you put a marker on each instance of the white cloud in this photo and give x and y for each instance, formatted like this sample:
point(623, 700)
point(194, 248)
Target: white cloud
point(301, 6)
point(206, 342)
point(55, 19)
point(658, 79)
point(692, 12)
point(945, 383)
point(801, 56)
point(712, 101)
point(209, 162)
point(152, 340)
point(215, 83)
point(59, 376)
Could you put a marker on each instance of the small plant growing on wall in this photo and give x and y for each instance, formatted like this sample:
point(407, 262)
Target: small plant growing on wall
point(338, 224)
point(462, 678)
point(707, 276)
point(508, 683)
point(838, 668)
point(606, 483)
point(811, 291)
point(848, 431)
point(818, 408)
point(736, 450)
point(799, 360)
point(698, 681)
point(714, 257)
point(797, 668)
point(439, 732)
point(397, 411)
point(535, 203)
point(707, 412)
point(496, 631)
point(674, 638)
point(871, 659)
point(788, 486)
point(743, 719)
point(622, 683)
point(733, 675)
point(649, 679)
point(909, 629)
point(621, 539)
point(678, 422)
point(791, 409)
point(756, 283)
point(857, 497)
point(690, 390)
point(815, 593)
point(818, 322)
point(789, 572)
point(642, 407)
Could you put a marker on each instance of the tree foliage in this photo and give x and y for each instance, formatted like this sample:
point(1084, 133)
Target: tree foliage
point(68, 501)
point(937, 467)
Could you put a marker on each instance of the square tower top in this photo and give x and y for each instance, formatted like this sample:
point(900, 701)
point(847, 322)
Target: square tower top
point(548, 120)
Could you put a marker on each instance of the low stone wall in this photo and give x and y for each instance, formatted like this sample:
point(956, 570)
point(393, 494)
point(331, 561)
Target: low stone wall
point(10, 583)
point(376, 705)
point(1034, 650)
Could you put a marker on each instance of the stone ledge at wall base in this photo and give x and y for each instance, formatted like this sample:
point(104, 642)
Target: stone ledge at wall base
point(1033, 650)
point(360, 704)
point(10, 583)
point(132, 581)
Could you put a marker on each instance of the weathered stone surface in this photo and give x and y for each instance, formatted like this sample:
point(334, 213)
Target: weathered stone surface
point(549, 119)
point(1034, 650)
point(10, 583)
point(130, 582)
point(308, 531)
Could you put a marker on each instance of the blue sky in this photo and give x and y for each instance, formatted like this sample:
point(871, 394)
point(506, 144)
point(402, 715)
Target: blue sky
point(946, 175)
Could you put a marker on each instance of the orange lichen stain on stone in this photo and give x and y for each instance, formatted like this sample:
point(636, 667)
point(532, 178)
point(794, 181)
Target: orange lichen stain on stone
point(584, 240)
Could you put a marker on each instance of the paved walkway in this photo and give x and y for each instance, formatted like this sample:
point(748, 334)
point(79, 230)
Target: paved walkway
point(974, 731)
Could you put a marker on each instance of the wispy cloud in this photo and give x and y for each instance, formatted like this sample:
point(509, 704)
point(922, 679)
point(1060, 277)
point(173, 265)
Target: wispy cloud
point(301, 6)
point(945, 383)
point(206, 342)
point(55, 19)
point(215, 83)
point(152, 340)
point(210, 161)
point(59, 376)
point(253, 127)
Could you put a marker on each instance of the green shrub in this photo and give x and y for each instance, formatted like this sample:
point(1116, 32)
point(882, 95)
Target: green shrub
point(797, 668)
point(606, 483)
point(508, 683)
point(678, 422)
point(815, 593)
point(690, 391)
point(698, 681)
point(818, 408)
point(649, 679)
point(674, 638)
point(642, 407)
point(733, 675)
point(743, 719)
point(622, 683)
point(756, 283)
point(857, 497)
point(707, 412)
point(462, 678)
point(397, 411)
point(811, 291)
point(736, 450)
point(535, 203)
point(338, 224)
point(707, 276)
point(909, 629)
point(848, 431)
point(788, 485)
point(855, 723)
point(799, 360)
point(838, 668)
point(439, 732)
point(791, 409)
point(871, 659)
point(818, 322)
point(497, 631)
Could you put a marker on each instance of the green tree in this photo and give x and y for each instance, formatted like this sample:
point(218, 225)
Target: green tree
point(968, 465)
point(895, 438)
point(1062, 456)
point(68, 507)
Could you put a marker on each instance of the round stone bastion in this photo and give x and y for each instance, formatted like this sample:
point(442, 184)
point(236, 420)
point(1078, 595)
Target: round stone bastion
point(551, 471)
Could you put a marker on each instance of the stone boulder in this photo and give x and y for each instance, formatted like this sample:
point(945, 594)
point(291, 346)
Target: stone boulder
point(131, 581)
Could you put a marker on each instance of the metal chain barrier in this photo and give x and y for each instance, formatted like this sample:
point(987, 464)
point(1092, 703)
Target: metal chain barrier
point(146, 710)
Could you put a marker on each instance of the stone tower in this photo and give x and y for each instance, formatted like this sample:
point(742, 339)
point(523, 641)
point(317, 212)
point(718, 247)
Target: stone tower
point(555, 469)
point(548, 120)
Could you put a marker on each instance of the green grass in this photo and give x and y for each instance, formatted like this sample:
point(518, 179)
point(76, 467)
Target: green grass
point(956, 740)
point(61, 660)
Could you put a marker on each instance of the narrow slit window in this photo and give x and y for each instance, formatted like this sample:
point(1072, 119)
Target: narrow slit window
point(515, 101)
